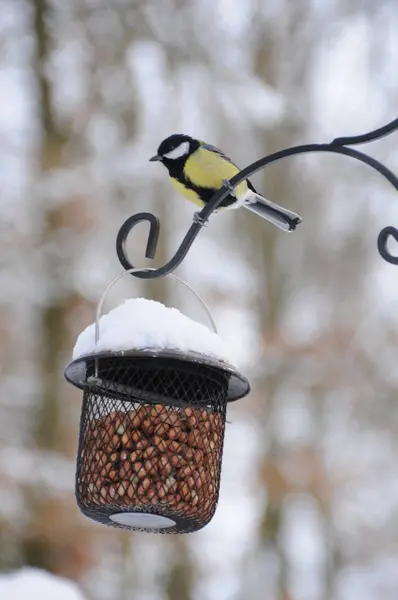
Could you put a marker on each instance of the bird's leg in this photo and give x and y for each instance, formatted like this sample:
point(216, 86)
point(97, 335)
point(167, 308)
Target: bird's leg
point(203, 222)
point(226, 183)
point(199, 220)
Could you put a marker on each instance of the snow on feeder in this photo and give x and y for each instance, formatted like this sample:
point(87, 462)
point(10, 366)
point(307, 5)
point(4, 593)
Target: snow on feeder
point(155, 391)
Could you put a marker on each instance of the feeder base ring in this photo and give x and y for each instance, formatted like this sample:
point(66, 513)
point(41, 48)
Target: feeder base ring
point(170, 522)
point(142, 520)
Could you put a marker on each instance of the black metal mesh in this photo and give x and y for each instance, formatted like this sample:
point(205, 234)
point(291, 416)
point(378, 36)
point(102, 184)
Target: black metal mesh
point(151, 441)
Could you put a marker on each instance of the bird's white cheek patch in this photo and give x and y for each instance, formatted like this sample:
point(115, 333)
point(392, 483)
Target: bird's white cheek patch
point(178, 152)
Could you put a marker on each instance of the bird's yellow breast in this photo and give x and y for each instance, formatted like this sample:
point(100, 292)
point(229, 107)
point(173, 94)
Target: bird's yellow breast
point(189, 194)
point(208, 169)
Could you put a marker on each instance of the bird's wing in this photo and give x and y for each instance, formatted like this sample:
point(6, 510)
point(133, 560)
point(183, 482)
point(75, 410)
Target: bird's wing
point(218, 151)
point(221, 153)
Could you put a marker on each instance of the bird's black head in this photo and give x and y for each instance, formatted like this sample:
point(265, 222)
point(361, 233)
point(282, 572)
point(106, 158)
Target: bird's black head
point(176, 149)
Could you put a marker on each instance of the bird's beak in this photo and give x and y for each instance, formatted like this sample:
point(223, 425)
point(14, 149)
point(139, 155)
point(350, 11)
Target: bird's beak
point(154, 158)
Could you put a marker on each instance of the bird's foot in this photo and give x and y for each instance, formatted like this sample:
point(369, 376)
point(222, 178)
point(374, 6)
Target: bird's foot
point(199, 220)
point(227, 184)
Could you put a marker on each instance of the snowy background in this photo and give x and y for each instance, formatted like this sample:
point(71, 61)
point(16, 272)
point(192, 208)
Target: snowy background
point(37, 584)
point(309, 491)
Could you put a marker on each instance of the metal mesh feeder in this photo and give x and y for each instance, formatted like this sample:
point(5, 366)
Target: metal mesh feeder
point(151, 436)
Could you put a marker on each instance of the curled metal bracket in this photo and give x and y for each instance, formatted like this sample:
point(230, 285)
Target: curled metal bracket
point(337, 146)
point(153, 237)
point(382, 241)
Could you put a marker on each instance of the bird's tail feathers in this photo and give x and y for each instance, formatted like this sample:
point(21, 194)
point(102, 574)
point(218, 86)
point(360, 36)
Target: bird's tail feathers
point(277, 215)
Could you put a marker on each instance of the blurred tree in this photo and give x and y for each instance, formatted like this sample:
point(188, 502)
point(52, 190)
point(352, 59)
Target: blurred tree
point(66, 553)
point(278, 63)
point(53, 140)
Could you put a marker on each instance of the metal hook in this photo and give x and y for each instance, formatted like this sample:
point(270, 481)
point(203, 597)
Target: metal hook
point(337, 146)
point(382, 244)
point(153, 236)
point(199, 220)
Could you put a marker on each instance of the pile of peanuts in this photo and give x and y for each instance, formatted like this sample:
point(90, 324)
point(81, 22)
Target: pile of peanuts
point(154, 455)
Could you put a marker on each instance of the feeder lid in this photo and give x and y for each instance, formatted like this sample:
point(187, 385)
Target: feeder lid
point(238, 386)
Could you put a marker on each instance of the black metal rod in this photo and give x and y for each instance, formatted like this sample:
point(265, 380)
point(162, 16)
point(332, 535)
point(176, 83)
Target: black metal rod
point(367, 137)
point(337, 146)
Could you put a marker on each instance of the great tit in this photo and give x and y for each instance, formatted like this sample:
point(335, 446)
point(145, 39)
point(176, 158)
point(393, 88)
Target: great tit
point(198, 170)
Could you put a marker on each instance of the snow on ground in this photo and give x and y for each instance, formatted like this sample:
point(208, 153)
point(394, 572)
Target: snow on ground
point(35, 584)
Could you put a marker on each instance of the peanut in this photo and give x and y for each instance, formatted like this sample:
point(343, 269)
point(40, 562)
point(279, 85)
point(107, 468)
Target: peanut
point(147, 426)
point(149, 452)
point(162, 429)
point(138, 468)
point(151, 466)
point(174, 433)
point(142, 444)
point(165, 466)
point(159, 443)
point(177, 460)
point(126, 468)
point(194, 438)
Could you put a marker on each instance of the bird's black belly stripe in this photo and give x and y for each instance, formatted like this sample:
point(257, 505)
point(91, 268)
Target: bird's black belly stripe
point(176, 170)
point(206, 194)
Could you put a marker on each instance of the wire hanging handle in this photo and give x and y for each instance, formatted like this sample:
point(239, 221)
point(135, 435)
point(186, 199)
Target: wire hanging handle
point(336, 146)
point(131, 271)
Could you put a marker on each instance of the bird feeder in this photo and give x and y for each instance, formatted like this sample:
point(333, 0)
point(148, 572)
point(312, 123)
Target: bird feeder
point(152, 422)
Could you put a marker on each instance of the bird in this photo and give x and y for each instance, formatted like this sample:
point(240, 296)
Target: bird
point(197, 170)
